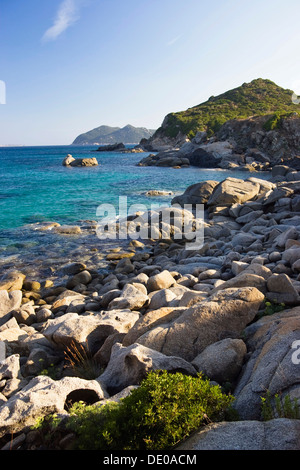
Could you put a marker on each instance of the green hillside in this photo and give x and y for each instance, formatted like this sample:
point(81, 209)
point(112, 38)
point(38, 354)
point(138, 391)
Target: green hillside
point(259, 97)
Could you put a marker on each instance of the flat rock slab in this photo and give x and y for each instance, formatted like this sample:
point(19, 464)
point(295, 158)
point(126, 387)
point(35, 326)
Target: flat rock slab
point(277, 434)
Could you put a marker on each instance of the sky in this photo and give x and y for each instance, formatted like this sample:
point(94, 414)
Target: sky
point(68, 66)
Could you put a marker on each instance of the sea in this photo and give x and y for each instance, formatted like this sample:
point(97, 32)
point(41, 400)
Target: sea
point(35, 189)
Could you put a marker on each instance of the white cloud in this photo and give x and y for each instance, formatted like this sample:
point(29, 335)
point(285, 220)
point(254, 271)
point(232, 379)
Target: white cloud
point(67, 14)
point(170, 43)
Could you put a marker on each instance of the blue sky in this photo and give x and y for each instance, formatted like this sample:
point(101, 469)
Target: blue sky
point(72, 65)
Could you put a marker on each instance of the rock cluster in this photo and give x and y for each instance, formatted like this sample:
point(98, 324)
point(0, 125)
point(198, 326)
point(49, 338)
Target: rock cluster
point(165, 305)
point(229, 150)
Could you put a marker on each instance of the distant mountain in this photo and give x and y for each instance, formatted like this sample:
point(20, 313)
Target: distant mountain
point(104, 135)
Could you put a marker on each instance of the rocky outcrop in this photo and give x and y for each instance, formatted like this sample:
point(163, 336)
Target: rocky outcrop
point(274, 145)
point(111, 147)
point(242, 144)
point(79, 162)
point(211, 153)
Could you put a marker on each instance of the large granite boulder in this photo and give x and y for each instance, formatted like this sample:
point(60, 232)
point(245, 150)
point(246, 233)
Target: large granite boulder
point(43, 396)
point(273, 364)
point(197, 193)
point(224, 314)
point(233, 190)
point(90, 331)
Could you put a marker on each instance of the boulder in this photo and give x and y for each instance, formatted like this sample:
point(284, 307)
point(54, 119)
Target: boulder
point(289, 234)
point(203, 159)
point(162, 280)
point(150, 320)
point(73, 268)
point(124, 266)
point(282, 290)
point(222, 361)
point(291, 255)
point(67, 229)
point(273, 365)
point(9, 301)
point(197, 193)
point(12, 281)
point(160, 299)
point(68, 160)
point(244, 279)
point(43, 396)
point(89, 330)
point(10, 367)
point(129, 365)
point(64, 299)
point(157, 192)
point(83, 277)
point(131, 297)
point(233, 190)
point(224, 314)
point(276, 434)
point(25, 314)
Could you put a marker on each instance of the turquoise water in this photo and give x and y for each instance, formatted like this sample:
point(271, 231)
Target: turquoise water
point(35, 187)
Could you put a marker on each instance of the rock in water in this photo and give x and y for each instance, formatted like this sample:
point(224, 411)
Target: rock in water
point(71, 161)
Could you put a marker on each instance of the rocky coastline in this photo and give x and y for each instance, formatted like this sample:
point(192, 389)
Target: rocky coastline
point(240, 144)
point(230, 309)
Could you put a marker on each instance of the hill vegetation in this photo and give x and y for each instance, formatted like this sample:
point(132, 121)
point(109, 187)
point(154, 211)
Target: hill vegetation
point(258, 98)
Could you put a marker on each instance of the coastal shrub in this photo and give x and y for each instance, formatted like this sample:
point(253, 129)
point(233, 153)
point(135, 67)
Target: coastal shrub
point(273, 123)
point(270, 308)
point(279, 407)
point(161, 412)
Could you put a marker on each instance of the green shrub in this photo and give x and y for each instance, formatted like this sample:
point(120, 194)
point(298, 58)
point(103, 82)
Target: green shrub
point(273, 123)
point(271, 308)
point(279, 407)
point(160, 413)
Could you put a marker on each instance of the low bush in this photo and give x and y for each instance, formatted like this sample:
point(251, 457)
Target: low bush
point(160, 413)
